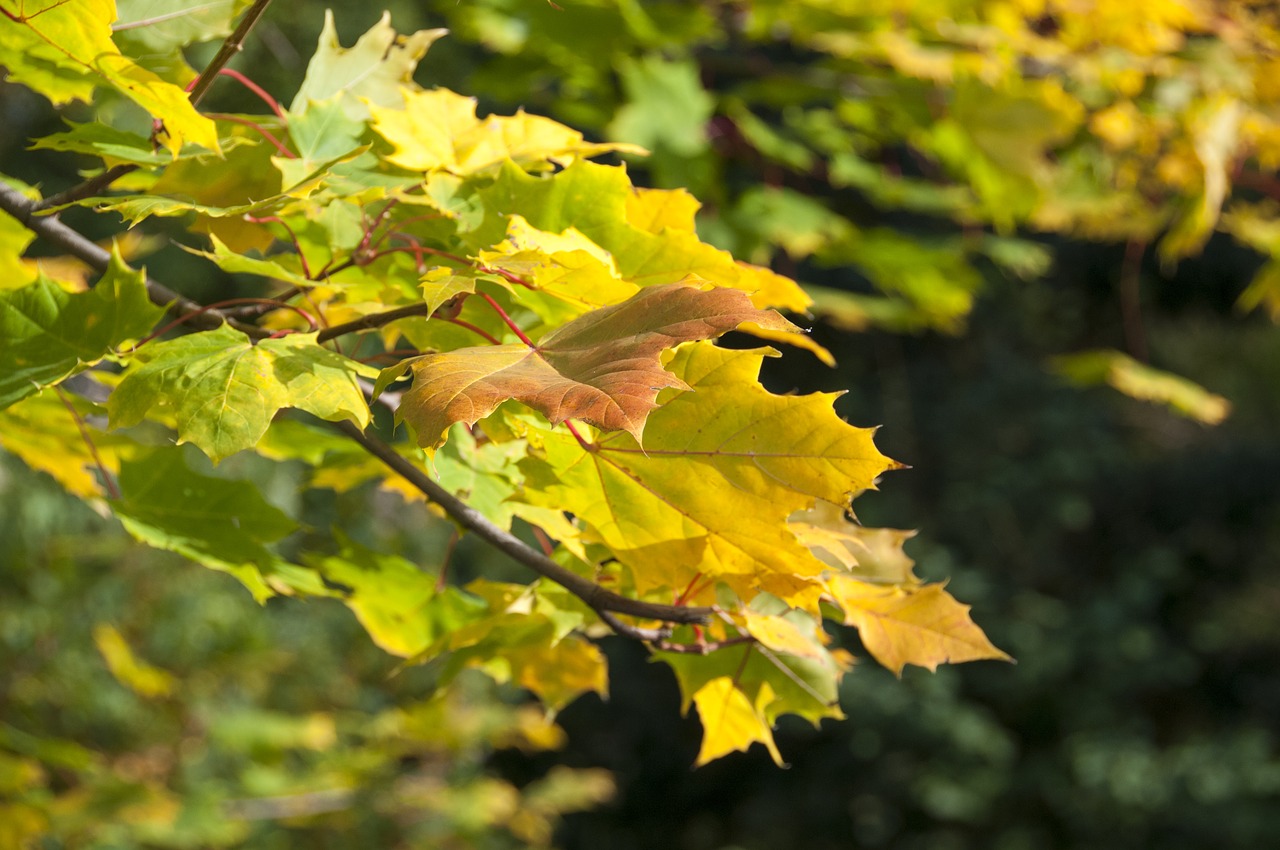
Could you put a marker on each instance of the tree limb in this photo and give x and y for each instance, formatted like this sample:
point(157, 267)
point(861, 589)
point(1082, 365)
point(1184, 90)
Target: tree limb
point(60, 235)
point(597, 597)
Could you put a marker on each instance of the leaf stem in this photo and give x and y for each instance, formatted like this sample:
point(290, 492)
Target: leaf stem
point(372, 321)
point(507, 320)
point(462, 323)
point(108, 482)
point(263, 131)
point(253, 87)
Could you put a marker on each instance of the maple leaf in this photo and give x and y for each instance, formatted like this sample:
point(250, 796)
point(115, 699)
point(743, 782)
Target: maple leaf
point(63, 49)
point(602, 368)
point(47, 334)
point(922, 625)
point(438, 130)
point(221, 524)
point(740, 694)
point(723, 467)
point(372, 72)
point(223, 389)
point(870, 554)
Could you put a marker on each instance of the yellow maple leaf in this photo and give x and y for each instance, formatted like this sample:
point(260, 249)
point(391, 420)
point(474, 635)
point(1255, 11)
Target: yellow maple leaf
point(730, 722)
point(438, 130)
point(922, 625)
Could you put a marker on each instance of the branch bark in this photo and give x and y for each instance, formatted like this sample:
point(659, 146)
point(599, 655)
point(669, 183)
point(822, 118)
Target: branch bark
point(52, 230)
point(469, 518)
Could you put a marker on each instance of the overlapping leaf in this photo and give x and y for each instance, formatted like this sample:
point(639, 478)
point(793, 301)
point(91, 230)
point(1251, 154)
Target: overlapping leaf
point(438, 130)
point(222, 524)
point(602, 368)
point(921, 625)
point(598, 201)
point(372, 72)
point(223, 390)
point(723, 466)
point(741, 691)
point(63, 50)
point(47, 333)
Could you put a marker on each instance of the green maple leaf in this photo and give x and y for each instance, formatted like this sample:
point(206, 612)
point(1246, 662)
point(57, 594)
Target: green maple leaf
point(48, 334)
point(375, 70)
point(219, 523)
point(223, 389)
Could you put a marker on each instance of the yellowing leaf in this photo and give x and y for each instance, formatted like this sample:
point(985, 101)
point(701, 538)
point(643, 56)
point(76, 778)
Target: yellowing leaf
point(47, 334)
point(595, 199)
point(223, 389)
point(781, 635)
point(655, 210)
point(43, 432)
point(730, 722)
point(131, 671)
point(438, 130)
point(1140, 381)
point(920, 625)
point(398, 603)
point(372, 72)
point(723, 466)
point(58, 48)
point(869, 554)
point(602, 368)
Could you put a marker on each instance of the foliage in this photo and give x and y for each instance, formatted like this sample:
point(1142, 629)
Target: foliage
point(557, 323)
point(899, 149)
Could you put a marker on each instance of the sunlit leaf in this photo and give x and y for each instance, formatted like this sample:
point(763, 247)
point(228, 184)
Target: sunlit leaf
point(223, 389)
point(602, 368)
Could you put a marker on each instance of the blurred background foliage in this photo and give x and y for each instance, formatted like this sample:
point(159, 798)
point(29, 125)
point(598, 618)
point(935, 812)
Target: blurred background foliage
point(1127, 557)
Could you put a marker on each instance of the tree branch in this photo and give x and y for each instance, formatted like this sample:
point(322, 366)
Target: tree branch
point(600, 599)
point(373, 320)
point(233, 45)
point(60, 235)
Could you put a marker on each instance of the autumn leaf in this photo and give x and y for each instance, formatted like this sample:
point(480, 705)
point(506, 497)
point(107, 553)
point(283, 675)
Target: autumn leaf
point(921, 625)
point(600, 202)
point(741, 692)
point(602, 368)
point(1143, 382)
point(223, 389)
point(723, 466)
point(438, 130)
point(372, 72)
point(869, 554)
point(397, 602)
point(731, 722)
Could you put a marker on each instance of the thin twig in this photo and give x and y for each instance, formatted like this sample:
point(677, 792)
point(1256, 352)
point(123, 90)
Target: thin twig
point(108, 483)
point(597, 597)
point(373, 320)
point(233, 45)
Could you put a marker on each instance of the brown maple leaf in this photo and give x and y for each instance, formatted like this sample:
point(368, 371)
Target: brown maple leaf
point(603, 368)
